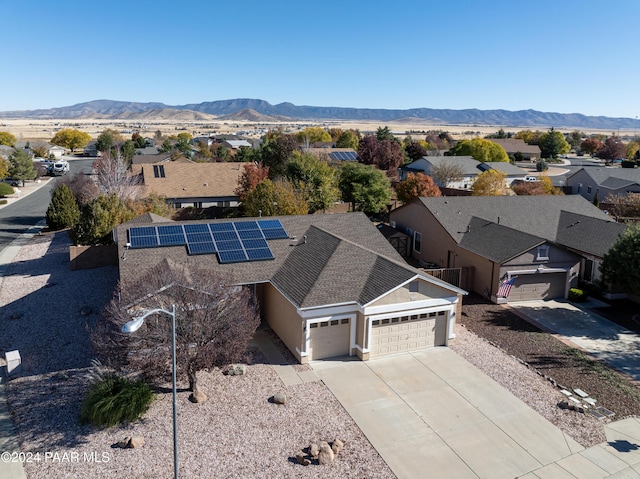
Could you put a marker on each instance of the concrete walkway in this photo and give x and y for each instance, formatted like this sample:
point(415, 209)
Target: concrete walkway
point(590, 332)
point(433, 414)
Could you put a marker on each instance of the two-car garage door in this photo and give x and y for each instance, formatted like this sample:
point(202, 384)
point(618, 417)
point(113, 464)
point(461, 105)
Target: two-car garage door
point(538, 286)
point(407, 333)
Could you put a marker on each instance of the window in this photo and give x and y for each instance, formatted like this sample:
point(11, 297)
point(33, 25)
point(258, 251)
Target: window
point(543, 252)
point(313, 325)
point(417, 241)
point(344, 321)
point(334, 322)
point(413, 287)
point(588, 189)
point(158, 171)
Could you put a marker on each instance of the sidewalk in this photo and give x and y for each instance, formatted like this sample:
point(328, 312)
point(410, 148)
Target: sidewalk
point(8, 440)
point(22, 191)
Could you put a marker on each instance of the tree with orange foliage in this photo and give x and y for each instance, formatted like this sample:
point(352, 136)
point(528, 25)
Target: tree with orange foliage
point(416, 185)
point(251, 177)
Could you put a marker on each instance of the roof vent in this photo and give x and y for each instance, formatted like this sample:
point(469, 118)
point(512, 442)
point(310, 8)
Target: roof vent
point(468, 229)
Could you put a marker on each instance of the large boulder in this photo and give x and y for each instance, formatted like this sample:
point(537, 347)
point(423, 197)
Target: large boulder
point(325, 456)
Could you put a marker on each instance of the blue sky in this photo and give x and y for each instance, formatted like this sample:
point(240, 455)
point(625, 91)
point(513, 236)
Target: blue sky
point(567, 56)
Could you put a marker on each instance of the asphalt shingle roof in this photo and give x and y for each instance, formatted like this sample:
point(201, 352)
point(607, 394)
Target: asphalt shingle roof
point(532, 216)
point(577, 232)
point(613, 178)
point(344, 260)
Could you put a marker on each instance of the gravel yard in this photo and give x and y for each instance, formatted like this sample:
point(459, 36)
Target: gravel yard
point(238, 432)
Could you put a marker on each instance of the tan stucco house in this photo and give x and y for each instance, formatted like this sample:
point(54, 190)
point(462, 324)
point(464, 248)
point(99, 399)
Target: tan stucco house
point(334, 286)
point(547, 243)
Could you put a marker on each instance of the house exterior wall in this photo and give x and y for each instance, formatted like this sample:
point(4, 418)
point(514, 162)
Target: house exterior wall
point(283, 318)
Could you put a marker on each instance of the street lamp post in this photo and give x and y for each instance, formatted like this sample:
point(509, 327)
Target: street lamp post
point(131, 327)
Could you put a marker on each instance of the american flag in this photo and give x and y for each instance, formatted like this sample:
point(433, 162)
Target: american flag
point(505, 286)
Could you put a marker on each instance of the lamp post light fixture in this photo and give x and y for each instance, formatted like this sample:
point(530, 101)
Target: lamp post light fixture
point(131, 327)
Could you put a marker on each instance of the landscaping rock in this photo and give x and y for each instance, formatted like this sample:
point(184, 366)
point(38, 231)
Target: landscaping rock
point(136, 441)
point(198, 397)
point(236, 370)
point(325, 456)
point(314, 449)
point(337, 446)
point(279, 398)
point(124, 443)
point(300, 457)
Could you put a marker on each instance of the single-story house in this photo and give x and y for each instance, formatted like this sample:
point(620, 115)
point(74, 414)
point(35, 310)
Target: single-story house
point(235, 144)
point(56, 151)
point(328, 285)
point(513, 146)
point(186, 183)
point(469, 167)
point(604, 181)
point(334, 154)
point(547, 243)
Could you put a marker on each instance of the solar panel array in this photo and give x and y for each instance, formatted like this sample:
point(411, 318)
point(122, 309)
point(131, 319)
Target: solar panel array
point(234, 242)
point(343, 155)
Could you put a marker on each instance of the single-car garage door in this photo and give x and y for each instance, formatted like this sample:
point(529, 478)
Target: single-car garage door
point(538, 286)
point(407, 333)
point(329, 338)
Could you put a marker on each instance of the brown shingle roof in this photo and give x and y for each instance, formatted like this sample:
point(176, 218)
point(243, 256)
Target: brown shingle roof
point(191, 180)
point(512, 145)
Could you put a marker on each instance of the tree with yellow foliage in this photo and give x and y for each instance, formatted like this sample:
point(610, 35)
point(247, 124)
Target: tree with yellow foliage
point(490, 183)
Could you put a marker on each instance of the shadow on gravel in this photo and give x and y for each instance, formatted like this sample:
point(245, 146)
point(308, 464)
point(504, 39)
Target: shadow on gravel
point(47, 322)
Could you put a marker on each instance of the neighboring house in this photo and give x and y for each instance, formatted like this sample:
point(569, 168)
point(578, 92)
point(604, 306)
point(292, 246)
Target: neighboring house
point(6, 151)
point(546, 242)
point(185, 183)
point(604, 181)
point(334, 154)
point(91, 150)
point(328, 285)
point(56, 151)
point(513, 146)
point(235, 144)
point(469, 167)
point(139, 160)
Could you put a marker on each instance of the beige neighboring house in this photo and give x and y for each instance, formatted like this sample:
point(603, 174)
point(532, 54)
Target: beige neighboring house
point(513, 146)
point(56, 151)
point(333, 286)
point(186, 183)
point(547, 243)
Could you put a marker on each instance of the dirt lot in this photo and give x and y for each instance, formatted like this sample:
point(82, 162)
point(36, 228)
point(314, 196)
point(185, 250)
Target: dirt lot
point(568, 366)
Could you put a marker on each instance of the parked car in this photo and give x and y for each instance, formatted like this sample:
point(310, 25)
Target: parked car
point(530, 178)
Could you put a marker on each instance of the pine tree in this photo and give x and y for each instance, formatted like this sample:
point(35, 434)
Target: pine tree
point(63, 211)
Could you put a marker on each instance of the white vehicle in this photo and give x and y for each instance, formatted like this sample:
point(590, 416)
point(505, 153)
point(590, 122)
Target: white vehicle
point(530, 178)
point(60, 168)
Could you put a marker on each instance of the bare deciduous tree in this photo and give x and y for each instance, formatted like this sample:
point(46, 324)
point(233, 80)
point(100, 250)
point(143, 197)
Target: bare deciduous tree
point(114, 179)
point(444, 173)
point(215, 321)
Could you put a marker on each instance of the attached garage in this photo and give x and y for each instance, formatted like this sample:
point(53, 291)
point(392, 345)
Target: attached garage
point(407, 333)
point(328, 339)
point(538, 286)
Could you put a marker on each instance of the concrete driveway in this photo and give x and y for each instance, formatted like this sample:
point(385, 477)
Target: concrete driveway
point(433, 414)
point(609, 342)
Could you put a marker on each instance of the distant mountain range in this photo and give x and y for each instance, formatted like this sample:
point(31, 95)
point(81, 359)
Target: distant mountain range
point(260, 110)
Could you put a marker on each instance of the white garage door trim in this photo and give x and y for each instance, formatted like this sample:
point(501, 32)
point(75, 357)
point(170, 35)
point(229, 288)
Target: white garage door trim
point(329, 338)
point(407, 333)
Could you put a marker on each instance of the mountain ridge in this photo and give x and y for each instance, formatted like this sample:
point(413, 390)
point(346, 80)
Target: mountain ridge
point(499, 117)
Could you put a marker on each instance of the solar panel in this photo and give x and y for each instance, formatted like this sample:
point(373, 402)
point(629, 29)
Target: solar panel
point(249, 234)
point(197, 228)
point(229, 245)
point(254, 243)
point(144, 241)
point(201, 248)
point(245, 225)
point(172, 240)
point(225, 236)
point(142, 231)
point(221, 227)
point(232, 256)
point(259, 254)
point(170, 230)
point(199, 237)
point(267, 224)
